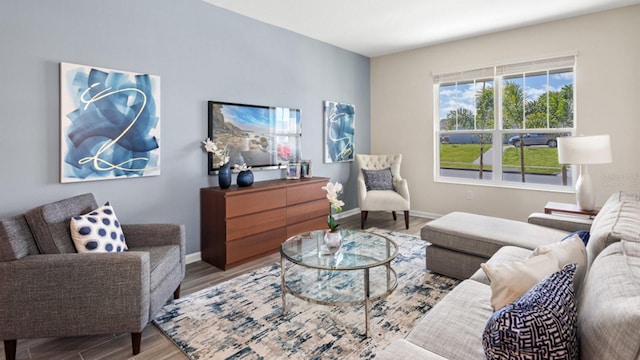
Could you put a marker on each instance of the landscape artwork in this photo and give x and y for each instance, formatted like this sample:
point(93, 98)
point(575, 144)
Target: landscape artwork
point(339, 128)
point(262, 137)
point(109, 124)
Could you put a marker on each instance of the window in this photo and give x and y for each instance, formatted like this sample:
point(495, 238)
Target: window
point(498, 125)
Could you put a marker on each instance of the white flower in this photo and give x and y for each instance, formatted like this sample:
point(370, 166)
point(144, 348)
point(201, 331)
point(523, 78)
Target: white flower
point(221, 154)
point(210, 146)
point(333, 190)
point(242, 167)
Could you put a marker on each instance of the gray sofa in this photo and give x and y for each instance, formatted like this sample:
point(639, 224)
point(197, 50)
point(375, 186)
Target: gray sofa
point(49, 290)
point(608, 300)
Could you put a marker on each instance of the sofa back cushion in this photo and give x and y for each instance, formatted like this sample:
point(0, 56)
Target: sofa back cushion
point(50, 223)
point(608, 306)
point(618, 219)
point(16, 240)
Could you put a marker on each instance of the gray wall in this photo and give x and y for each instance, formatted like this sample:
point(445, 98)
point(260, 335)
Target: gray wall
point(201, 53)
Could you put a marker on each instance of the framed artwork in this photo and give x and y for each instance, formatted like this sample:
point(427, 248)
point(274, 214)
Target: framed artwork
point(109, 124)
point(305, 168)
point(293, 171)
point(339, 130)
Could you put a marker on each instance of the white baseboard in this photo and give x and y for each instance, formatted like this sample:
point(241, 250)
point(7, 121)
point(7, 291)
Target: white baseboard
point(193, 257)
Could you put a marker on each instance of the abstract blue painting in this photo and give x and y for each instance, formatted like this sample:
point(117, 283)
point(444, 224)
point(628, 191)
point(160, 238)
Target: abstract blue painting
point(109, 124)
point(339, 130)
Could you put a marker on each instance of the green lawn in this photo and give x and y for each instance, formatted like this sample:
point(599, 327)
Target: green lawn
point(540, 160)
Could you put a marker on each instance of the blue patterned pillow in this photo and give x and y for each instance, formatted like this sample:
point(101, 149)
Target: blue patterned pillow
point(542, 324)
point(98, 231)
point(378, 179)
point(583, 234)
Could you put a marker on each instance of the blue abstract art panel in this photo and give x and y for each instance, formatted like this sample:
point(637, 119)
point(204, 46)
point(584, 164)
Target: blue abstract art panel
point(109, 124)
point(339, 123)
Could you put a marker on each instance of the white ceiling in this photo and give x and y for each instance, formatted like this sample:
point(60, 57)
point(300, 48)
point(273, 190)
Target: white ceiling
point(380, 27)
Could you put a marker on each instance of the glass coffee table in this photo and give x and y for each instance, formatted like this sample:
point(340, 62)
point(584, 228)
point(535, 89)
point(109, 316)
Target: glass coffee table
point(357, 273)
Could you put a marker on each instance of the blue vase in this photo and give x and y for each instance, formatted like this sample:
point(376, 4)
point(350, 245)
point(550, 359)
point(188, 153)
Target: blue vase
point(245, 178)
point(224, 176)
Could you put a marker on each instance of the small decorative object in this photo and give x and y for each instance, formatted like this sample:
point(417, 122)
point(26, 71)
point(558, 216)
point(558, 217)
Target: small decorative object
point(245, 175)
point(305, 168)
point(224, 176)
point(293, 171)
point(333, 238)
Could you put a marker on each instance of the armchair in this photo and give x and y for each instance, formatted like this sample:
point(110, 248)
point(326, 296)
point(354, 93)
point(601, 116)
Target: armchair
point(49, 290)
point(382, 196)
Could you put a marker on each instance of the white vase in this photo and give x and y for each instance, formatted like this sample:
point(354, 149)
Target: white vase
point(333, 240)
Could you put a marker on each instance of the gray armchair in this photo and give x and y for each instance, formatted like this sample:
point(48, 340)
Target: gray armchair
point(49, 290)
point(395, 198)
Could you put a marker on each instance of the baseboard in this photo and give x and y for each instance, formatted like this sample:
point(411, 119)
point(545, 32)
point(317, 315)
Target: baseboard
point(193, 257)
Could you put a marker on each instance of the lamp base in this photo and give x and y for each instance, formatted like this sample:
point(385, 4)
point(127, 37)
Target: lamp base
point(585, 195)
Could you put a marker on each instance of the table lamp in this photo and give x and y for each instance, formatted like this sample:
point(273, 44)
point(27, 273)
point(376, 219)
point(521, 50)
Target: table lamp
point(583, 150)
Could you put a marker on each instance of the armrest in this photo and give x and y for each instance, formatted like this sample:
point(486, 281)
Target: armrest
point(401, 187)
point(154, 234)
point(561, 222)
point(74, 294)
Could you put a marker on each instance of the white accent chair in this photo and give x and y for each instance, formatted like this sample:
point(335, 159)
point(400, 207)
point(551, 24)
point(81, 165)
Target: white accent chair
point(382, 200)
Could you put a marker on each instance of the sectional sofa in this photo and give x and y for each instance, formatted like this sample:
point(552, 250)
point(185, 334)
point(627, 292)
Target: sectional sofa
point(584, 303)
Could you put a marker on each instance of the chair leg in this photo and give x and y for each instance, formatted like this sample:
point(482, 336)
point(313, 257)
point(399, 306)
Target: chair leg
point(363, 218)
point(136, 339)
point(176, 293)
point(10, 347)
point(394, 215)
point(406, 219)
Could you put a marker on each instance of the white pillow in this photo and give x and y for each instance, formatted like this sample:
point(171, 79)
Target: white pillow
point(509, 281)
point(98, 231)
point(568, 251)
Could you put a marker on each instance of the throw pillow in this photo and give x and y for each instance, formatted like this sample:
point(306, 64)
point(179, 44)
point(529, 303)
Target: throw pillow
point(98, 231)
point(378, 179)
point(510, 280)
point(542, 324)
point(568, 251)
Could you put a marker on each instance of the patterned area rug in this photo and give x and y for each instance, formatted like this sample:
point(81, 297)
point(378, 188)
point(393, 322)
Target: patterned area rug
point(242, 318)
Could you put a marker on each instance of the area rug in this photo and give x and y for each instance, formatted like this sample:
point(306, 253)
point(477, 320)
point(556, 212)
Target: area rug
point(242, 318)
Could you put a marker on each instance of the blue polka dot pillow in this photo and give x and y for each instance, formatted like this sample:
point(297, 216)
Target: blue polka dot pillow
point(98, 231)
point(541, 324)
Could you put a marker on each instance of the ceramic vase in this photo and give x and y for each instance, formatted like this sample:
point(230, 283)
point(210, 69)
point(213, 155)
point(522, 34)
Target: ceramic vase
point(333, 240)
point(245, 178)
point(224, 176)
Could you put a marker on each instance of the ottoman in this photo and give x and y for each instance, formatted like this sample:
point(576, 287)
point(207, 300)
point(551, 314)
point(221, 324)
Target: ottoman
point(460, 242)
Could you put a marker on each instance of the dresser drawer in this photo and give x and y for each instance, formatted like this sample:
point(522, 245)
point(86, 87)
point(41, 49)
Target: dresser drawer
point(308, 210)
point(242, 226)
point(303, 193)
point(251, 247)
point(319, 223)
point(249, 203)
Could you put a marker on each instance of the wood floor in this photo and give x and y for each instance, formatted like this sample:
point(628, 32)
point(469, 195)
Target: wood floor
point(199, 275)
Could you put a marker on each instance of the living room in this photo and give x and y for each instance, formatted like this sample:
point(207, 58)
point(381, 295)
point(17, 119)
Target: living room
point(202, 52)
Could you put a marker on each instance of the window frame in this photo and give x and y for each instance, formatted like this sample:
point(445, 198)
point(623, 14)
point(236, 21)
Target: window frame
point(497, 74)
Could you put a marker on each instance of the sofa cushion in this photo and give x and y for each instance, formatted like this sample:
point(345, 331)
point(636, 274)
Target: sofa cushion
point(378, 179)
point(98, 231)
point(609, 306)
point(569, 250)
point(49, 223)
point(483, 235)
point(509, 281)
point(405, 350)
point(453, 327)
point(16, 240)
point(539, 325)
point(618, 219)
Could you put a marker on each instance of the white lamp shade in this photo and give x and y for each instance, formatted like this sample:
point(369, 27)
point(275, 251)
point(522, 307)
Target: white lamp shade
point(579, 150)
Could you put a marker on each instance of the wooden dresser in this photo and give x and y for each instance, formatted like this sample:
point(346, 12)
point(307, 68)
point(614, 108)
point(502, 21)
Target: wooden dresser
point(241, 224)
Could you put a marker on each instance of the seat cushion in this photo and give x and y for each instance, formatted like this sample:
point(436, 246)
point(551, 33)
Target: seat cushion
point(483, 235)
point(163, 260)
point(609, 304)
point(49, 223)
point(16, 240)
point(379, 200)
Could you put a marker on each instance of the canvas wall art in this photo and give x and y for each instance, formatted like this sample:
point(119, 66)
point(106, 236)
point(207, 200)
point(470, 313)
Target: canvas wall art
point(109, 124)
point(339, 128)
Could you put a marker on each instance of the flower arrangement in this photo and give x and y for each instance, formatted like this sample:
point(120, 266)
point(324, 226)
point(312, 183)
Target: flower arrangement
point(243, 167)
point(222, 155)
point(335, 204)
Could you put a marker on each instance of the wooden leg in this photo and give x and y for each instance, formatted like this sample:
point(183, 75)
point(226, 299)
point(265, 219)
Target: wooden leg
point(394, 215)
point(136, 339)
point(406, 219)
point(10, 347)
point(363, 218)
point(176, 293)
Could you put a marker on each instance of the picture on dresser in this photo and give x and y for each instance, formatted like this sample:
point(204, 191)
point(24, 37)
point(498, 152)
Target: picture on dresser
point(109, 123)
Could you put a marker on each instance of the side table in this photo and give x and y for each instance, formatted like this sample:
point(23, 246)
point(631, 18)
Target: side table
point(557, 207)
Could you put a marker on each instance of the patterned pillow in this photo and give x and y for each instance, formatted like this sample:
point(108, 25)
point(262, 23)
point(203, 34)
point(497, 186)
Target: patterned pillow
point(542, 324)
point(378, 179)
point(98, 231)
